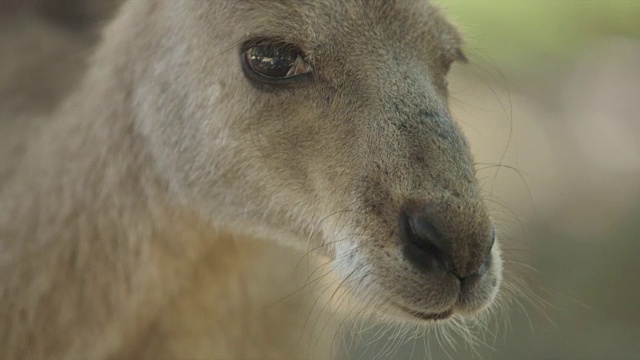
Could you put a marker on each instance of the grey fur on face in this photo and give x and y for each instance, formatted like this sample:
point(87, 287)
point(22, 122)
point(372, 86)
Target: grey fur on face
point(367, 135)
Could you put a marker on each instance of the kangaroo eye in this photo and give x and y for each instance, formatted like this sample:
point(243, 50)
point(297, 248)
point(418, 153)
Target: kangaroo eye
point(276, 62)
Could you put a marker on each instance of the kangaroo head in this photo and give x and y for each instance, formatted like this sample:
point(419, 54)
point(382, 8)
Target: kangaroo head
point(324, 125)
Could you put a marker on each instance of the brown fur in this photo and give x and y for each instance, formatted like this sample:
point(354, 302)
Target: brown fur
point(129, 224)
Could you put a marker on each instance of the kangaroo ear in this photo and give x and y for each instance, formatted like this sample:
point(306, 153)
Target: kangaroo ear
point(458, 55)
point(452, 43)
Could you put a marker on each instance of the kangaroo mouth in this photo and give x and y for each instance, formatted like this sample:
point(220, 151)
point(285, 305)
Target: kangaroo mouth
point(427, 316)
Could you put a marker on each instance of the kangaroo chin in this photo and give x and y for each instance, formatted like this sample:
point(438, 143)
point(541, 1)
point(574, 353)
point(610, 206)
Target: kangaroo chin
point(217, 158)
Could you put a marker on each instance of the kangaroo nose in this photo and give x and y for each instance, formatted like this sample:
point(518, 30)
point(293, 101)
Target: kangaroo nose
point(425, 246)
point(430, 249)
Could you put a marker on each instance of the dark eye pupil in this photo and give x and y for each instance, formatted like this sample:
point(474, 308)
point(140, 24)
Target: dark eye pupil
point(271, 61)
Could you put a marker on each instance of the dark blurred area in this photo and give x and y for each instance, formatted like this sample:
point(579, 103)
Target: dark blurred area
point(66, 13)
point(551, 104)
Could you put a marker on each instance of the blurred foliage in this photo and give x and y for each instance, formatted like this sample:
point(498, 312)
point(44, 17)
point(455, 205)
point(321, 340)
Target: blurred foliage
point(523, 33)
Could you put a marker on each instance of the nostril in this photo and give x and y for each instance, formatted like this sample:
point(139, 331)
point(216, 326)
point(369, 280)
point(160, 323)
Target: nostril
point(422, 229)
point(424, 246)
point(428, 248)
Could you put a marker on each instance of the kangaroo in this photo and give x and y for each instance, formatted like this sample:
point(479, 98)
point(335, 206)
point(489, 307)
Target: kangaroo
point(213, 151)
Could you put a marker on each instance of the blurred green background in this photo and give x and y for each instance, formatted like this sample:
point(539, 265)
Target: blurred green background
point(518, 34)
point(551, 104)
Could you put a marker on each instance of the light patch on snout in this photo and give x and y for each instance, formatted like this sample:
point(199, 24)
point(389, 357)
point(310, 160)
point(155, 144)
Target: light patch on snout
point(357, 281)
